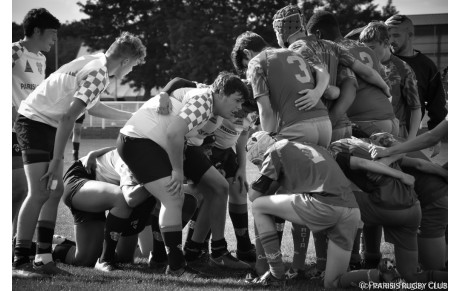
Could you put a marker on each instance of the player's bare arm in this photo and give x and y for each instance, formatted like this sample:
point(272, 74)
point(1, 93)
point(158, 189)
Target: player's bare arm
point(103, 111)
point(267, 116)
point(175, 136)
point(371, 76)
point(311, 96)
point(379, 168)
point(62, 136)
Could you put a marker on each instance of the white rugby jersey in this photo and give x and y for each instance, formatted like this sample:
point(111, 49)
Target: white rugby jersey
point(111, 169)
point(196, 109)
point(228, 133)
point(106, 167)
point(84, 78)
point(28, 72)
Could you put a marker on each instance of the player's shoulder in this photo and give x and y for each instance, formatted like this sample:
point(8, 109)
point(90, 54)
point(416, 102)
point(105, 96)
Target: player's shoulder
point(18, 49)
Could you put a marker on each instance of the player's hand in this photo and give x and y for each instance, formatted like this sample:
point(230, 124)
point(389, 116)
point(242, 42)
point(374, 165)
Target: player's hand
point(378, 152)
point(332, 92)
point(52, 174)
point(387, 91)
point(165, 105)
point(407, 179)
point(240, 177)
point(309, 99)
point(89, 162)
point(176, 184)
point(436, 149)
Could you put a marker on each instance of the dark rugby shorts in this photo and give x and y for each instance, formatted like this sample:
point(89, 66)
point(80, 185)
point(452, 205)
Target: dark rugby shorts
point(75, 177)
point(225, 160)
point(35, 135)
point(400, 226)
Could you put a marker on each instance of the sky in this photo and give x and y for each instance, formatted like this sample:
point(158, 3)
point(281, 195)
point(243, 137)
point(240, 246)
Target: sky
point(68, 10)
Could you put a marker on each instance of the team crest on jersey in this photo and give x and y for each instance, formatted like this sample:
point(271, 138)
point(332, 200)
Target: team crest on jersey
point(28, 68)
point(40, 68)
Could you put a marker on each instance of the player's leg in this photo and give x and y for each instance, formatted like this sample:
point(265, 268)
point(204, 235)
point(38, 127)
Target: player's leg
point(237, 204)
point(336, 265)
point(30, 210)
point(95, 196)
point(47, 222)
point(19, 182)
point(170, 221)
point(431, 236)
point(126, 248)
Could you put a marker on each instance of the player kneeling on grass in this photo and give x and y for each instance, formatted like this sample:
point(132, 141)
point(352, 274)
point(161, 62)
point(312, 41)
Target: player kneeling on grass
point(388, 200)
point(323, 200)
point(92, 186)
point(98, 182)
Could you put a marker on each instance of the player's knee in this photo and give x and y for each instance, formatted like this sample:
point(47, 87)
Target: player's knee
point(331, 283)
point(221, 188)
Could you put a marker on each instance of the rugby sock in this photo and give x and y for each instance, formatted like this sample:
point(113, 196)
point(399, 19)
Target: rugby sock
point(191, 226)
point(353, 278)
point(206, 242)
point(45, 231)
point(261, 261)
point(372, 236)
point(300, 237)
point(218, 248)
point(355, 259)
point(320, 239)
point(279, 222)
point(76, 148)
point(21, 252)
point(60, 252)
point(159, 251)
point(239, 216)
point(172, 237)
point(114, 226)
point(271, 245)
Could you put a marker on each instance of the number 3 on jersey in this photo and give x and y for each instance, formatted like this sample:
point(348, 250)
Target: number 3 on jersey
point(305, 77)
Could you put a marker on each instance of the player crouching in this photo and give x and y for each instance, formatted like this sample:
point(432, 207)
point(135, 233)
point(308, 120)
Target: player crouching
point(322, 200)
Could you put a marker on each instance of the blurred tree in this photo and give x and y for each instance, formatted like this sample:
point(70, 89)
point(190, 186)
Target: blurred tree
point(193, 38)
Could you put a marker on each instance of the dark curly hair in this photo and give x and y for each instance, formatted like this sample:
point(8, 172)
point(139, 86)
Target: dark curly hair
point(247, 40)
point(40, 18)
point(229, 83)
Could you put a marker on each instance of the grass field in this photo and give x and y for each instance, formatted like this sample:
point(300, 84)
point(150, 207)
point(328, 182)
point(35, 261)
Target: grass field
point(139, 277)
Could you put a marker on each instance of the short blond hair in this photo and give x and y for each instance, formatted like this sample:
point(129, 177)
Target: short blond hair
point(128, 45)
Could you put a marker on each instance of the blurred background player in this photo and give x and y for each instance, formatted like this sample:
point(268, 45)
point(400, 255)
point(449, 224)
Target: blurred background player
point(40, 33)
point(43, 127)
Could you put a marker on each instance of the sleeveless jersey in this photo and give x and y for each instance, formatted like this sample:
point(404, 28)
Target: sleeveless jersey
point(281, 74)
point(370, 102)
point(84, 78)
